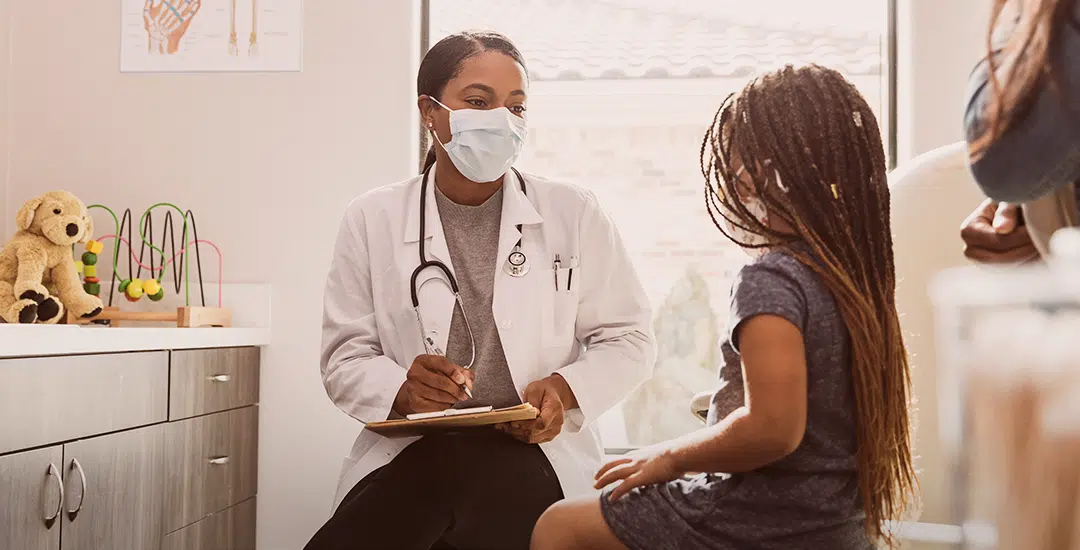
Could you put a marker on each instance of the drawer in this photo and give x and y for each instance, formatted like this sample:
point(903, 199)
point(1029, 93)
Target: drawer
point(231, 529)
point(213, 464)
point(205, 381)
point(47, 400)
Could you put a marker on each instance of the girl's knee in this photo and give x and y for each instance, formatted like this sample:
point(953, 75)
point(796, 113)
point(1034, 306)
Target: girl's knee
point(552, 531)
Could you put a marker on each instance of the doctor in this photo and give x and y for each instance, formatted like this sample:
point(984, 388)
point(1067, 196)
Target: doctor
point(526, 285)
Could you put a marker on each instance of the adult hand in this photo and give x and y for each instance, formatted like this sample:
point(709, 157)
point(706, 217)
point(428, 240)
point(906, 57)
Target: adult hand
point(993, 234)
point(551, 397)
point(432, 384)
point(647, 466)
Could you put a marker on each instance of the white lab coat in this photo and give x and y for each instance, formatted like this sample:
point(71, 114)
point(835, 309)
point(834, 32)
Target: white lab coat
point(597, 335)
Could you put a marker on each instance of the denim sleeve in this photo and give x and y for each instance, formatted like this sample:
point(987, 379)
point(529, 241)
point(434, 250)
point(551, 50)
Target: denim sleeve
point(1041, 150)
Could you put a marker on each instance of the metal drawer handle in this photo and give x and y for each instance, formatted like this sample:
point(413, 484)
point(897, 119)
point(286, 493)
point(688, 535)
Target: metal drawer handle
point(51, 518)
point(220, 378)
point(76, 467)
point(219, 460)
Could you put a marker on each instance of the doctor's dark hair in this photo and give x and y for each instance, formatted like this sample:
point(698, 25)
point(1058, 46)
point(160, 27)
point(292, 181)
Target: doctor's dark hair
point(812, 147)
point(443, 62)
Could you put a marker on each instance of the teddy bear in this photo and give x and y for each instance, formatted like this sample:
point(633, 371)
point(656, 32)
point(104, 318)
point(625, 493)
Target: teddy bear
point(38, 277)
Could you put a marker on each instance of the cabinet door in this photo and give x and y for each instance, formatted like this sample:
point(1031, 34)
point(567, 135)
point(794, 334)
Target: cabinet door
point(115, 491)
point(31, 494)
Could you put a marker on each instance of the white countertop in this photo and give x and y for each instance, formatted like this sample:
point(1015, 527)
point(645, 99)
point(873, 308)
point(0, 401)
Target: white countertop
point(39, 340)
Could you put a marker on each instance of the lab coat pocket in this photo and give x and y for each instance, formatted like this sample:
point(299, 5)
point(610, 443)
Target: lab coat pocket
point(561, 307)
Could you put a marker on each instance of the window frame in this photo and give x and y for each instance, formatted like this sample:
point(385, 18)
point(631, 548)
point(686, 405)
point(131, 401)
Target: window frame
point(889, 100)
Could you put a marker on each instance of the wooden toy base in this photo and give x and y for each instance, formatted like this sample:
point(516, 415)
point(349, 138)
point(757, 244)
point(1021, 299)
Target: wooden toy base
point(184, 317)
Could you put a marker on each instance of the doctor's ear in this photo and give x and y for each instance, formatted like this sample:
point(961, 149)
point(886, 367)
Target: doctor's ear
point(427, 108)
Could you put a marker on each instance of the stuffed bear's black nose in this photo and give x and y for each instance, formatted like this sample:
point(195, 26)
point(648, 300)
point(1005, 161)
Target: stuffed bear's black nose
point(72, 230)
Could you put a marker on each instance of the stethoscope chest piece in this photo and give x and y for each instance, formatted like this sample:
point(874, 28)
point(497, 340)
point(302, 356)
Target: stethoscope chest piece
point(517, 265)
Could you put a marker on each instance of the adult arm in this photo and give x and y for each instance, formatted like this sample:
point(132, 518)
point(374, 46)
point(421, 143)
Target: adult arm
point(614, 321)
point(1040, 151)
point(359, 379)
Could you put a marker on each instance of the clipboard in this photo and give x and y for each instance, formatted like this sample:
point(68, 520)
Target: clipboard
point(409, 428)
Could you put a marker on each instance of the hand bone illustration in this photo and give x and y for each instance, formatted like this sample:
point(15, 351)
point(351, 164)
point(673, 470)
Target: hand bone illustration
point(166, 21)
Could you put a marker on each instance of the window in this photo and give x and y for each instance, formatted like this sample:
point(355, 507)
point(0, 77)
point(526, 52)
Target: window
point(621, 92)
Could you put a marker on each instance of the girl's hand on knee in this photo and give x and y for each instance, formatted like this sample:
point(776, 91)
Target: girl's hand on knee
point(637, 469)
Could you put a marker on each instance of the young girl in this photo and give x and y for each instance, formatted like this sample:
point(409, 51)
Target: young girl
point(811, 423)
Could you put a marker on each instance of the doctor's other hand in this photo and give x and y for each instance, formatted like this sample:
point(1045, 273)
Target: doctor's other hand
point(647, 466)
point(432, 384)
point(551, 396)
point(994, 233)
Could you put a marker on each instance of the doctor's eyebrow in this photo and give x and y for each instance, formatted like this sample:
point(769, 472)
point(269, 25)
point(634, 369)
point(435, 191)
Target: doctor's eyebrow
point(489, 89)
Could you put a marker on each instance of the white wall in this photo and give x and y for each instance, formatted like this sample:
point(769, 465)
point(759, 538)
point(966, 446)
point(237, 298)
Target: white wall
point(267, 161)
point(5, 130)
point(939, 43)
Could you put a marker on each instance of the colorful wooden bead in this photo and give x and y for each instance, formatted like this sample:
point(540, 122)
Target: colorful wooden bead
point(94, 247)
point(91, 280)
point(134, 290)
point(79, 267)
point(90, 270)
point(123, 285)
point(158, 296)
point(89, 258)
point(151, 287)
point(93, 289)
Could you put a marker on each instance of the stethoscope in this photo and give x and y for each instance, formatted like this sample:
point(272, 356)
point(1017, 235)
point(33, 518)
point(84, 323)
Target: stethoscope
point(517, 265)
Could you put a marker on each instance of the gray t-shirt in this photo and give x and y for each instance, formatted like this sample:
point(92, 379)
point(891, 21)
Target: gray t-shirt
point(472, 237)
point(809, 499)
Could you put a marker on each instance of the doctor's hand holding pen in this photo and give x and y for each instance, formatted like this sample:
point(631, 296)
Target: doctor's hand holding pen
point(432, 384)
point(552, 396)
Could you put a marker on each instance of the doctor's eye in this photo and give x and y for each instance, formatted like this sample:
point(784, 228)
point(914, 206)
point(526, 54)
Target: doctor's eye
point(478, 103)
point(518, 110)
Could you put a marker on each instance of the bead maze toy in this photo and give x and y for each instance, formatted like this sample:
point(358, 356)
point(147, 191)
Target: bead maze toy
point(135, 286)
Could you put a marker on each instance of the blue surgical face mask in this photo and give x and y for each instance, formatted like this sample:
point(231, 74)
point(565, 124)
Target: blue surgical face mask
point(484, 143)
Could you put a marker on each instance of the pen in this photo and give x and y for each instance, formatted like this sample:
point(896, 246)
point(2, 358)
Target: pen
point(555, 269)
point(435, 350)
point(569, 279)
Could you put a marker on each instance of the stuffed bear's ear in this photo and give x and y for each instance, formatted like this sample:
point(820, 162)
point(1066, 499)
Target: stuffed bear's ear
point(25, 217)
point(88, 233)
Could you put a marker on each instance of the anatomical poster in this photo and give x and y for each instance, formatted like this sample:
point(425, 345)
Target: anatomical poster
point(211, 35)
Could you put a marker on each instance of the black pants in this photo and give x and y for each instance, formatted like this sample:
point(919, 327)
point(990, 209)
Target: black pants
point(472, 490)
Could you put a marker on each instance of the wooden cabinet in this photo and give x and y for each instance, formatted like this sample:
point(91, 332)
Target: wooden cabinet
point(115, 490)
point(47, 400)
point(213, 465)
point(147, 449)
point(207, 381)
point(230, 529)
point(31, 492)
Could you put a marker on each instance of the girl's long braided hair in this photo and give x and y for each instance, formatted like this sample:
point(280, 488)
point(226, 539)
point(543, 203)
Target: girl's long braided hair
point(812, 147)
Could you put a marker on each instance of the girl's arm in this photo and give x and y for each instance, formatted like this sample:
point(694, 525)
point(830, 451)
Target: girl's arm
point(768, 316)
point(771, 424)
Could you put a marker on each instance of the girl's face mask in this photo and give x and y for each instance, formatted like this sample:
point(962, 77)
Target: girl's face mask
point(484, 143)
point(757, 209)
